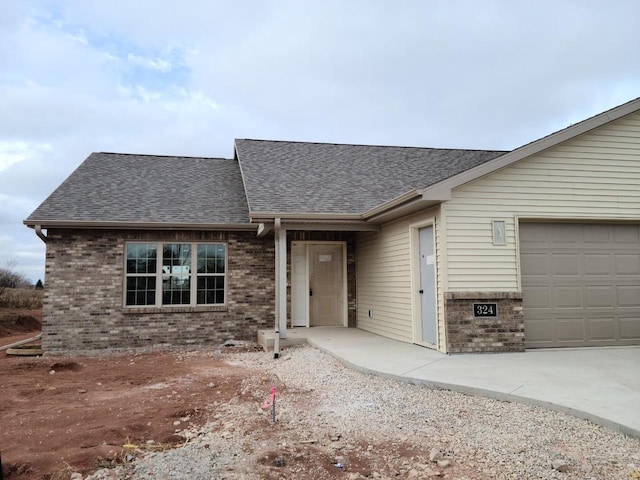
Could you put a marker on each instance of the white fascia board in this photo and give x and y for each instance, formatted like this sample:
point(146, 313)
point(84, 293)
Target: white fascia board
point(301, 216)
point(332, 227)
point(406, 204)
point(265, 227)
point(317, 221)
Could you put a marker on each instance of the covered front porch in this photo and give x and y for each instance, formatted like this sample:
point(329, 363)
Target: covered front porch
point(315, 264)
point(315, 280)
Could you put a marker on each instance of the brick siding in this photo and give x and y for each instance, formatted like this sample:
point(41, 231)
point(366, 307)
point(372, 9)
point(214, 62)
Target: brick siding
point(83, 303)
point(467, 334)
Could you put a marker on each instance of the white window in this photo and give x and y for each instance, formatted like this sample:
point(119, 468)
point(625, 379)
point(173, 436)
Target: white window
point(160, 274)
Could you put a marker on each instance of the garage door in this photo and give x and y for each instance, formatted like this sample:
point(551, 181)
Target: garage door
point(580, 284)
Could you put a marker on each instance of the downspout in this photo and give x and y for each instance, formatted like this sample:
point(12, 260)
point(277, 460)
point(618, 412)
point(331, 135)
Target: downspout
point(41, 235)
point(276, 340)
point(281, 283)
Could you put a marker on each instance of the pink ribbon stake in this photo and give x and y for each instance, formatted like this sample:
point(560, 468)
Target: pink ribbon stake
point(271, 402)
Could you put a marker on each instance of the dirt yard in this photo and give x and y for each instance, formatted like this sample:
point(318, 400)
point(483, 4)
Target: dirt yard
point(61, 414)
point(196, 414)
point(16, 325)
point(65, 415)
point(75, 414)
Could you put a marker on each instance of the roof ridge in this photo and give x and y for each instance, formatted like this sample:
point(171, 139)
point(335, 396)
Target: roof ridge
point(374, 146)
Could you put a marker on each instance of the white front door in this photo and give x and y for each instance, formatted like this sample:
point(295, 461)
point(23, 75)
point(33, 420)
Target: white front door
point(318, 284)
point(428, 286)
point(326, 289)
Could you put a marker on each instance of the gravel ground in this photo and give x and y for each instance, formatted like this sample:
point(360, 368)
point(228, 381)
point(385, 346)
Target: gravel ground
point(333, 422)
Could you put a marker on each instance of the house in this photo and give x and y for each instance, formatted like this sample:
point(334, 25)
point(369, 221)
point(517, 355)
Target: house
point(457, 250)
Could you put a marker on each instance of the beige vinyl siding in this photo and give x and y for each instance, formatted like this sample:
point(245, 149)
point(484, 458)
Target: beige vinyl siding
point(595, 176)
point(384, 279)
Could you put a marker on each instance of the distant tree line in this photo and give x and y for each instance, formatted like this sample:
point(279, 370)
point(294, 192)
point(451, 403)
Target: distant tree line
point(10, 278)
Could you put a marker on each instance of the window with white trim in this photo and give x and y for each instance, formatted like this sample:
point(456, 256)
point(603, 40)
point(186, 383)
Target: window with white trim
point(173, 274)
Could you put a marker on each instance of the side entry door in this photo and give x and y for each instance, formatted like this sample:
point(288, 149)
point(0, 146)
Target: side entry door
point(428, 286)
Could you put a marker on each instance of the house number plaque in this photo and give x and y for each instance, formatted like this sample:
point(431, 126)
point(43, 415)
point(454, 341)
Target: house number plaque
point(485, 309)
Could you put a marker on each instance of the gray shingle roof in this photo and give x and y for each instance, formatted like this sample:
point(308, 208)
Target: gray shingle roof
point(113, 187)
point(296, 177)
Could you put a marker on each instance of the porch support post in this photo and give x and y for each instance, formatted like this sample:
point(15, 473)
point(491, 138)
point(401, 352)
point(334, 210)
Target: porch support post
point(281, 279)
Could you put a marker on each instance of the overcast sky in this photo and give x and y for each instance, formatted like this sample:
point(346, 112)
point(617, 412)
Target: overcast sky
point(186, 78)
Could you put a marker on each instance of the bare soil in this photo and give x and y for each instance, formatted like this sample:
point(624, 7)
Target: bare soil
point(62, 415)
point(15, 322)
point(76, 414)
point(58, 412)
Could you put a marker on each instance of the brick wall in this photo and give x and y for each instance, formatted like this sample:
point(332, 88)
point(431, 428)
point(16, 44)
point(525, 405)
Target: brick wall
point(466, 333)
point(83, 303)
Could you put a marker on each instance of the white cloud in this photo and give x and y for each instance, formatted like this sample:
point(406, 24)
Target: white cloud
point(146, 95)
point(151, 63)
point(18, 151)
point(195, 99)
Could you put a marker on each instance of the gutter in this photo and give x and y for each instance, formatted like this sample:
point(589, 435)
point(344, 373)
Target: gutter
point(41, 235)
point(138, 225)
point(307, 217)
point(405, 204)
point(391, 204)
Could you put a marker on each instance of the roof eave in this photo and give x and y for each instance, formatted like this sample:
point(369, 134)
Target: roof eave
point(408, 208)
point(139, 225)
point(316, 221)
point(260, 217)
point(405, 204)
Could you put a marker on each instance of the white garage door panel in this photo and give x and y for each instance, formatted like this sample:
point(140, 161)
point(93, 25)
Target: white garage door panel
point(570, 329)
point(567, 297)
point(602, 329)
point(538, 297)
point(628, 296)
point(581, 284)
point(630, 328)
point(565, 265)
point(627, 264)
point(600, 296)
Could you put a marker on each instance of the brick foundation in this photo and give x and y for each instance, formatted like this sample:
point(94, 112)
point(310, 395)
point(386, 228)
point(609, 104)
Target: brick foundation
point(467, 334)
point(83, 304)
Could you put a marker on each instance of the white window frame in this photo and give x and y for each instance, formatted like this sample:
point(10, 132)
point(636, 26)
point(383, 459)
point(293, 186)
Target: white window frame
point(193, 275)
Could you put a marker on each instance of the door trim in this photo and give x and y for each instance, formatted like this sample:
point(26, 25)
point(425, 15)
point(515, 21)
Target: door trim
point(345, 287)
point(416, 304)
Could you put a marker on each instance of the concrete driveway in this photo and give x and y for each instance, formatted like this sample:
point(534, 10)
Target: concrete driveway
point(598, 384)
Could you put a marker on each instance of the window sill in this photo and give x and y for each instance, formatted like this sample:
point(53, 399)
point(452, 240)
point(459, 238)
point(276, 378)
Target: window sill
point(170, 309)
